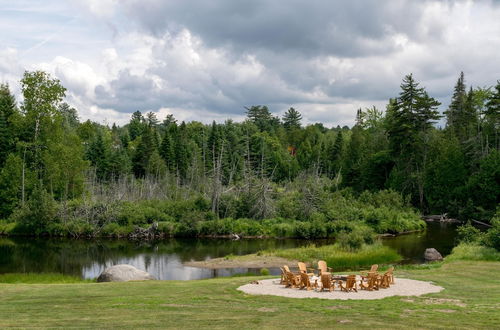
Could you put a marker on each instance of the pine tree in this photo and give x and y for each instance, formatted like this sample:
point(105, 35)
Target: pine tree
point(492, 118)
point(5, 139)
point(457, 105)
point(214, 144)
point(136, 125)
point(261, 117)
point(7, 131)
point(167, 151)
point(181, 151)
point(291, 119)
point(409, 118)
point(143, 153)
point(98, 155)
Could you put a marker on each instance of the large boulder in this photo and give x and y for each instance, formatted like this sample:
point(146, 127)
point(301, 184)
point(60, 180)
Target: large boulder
point(432, 255)
point(123, 273)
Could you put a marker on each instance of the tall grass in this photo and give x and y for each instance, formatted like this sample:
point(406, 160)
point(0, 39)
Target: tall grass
point(339, 258)
point(466, 251)
point(42, 278)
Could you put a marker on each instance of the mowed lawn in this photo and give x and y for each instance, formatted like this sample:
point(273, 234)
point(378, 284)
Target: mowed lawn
point(471, 299)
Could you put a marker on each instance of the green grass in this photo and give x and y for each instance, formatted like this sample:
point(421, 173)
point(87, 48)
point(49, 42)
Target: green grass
point(338, 258)
point(471, 300)
point(45, 278)
point(473, 252)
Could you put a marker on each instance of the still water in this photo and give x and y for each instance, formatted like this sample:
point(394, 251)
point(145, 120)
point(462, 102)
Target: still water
point(164, 258)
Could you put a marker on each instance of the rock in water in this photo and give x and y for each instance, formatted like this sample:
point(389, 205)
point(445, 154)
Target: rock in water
point(123, 273)
point(432, 255)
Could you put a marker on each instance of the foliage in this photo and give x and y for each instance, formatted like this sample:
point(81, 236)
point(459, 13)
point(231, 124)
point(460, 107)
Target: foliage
point(38, 213)
point(264, 176)
point(468, 251)
point(338, 257)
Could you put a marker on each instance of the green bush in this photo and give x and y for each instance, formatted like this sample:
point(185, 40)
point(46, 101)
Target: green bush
point(264, 272)
point(492, 237)
point(39, 211)
point(468, 234)
point(7, 228)
point(477, 252)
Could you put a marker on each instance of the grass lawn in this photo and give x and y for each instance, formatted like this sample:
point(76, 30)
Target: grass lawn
point(471, 299)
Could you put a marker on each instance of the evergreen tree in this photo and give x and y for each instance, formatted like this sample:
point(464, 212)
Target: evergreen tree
point(409, 118)
point(291, 119)
point(167, 151)
point(98, 155)
point(5, 139)
point(492, 118)
point(143, 153)
point(182, 151)
point(262, 118)
point(136, 125)
point(456, 109)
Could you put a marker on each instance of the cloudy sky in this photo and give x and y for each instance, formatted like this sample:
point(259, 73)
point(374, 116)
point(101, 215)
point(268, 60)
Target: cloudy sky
point(206, 60)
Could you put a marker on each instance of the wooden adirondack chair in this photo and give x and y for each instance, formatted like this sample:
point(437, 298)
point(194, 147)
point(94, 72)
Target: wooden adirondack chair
point(283, 276)
point(292, 280)
point(305, 282)
point(304, 269)
point(322, 268)
point(373, 268)
point(327, 282)
point(387, 278)
point(350, 284)
point(370, 282)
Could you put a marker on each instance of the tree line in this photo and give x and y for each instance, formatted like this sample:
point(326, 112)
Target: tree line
point(48, 156)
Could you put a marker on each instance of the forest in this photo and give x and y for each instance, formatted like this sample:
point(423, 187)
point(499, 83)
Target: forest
point(265, 176)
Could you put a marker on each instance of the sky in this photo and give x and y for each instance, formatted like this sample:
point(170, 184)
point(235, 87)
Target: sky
point(208, 60)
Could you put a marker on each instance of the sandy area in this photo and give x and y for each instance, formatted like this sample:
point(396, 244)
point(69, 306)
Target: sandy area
point(247, 261)
point(402, 287)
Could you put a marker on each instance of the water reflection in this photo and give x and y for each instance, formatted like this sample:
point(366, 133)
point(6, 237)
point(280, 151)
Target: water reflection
point(164, 259)
point(439, 235)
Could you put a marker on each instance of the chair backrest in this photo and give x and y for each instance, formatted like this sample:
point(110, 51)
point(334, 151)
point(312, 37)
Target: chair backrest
point(372, 279)
point(326, 281)
point(290, 278)
point(390, 270)
point(351, 281)
point(302, 267)
point(285, 267)
point(305, 279)
point(322, 266)
point(374, 268)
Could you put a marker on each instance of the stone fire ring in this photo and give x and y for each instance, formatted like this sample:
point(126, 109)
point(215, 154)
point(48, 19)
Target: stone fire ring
point(402, 287)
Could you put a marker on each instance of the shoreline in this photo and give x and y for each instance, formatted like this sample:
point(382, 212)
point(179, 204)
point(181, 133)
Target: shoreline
point(246, 261)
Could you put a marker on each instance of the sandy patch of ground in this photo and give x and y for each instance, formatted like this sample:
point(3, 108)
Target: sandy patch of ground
point(248, 261)
point(403, 287)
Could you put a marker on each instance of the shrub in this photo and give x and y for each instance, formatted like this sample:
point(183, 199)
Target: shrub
point(39, 211)
point(264, 272)
point(467, 251)
point(492, 237)
point(468, 234)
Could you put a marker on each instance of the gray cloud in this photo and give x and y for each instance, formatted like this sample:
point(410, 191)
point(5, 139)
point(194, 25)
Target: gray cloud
point(307, 28)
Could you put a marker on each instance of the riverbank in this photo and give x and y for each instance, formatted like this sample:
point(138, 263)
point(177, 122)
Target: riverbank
point(336, 257)
point(246, 261)
point(469, 301)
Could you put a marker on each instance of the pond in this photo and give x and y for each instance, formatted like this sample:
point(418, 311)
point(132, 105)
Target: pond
point(164, 258)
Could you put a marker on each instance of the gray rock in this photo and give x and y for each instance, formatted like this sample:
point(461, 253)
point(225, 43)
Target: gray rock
point(123, 273)
point(432, 255)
